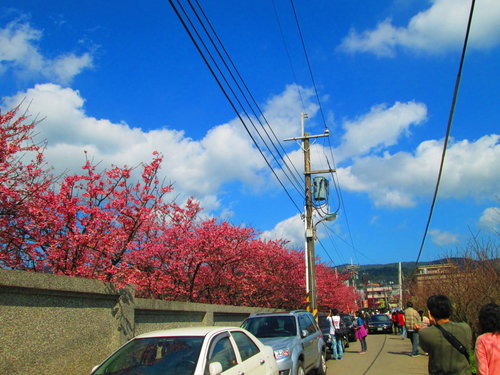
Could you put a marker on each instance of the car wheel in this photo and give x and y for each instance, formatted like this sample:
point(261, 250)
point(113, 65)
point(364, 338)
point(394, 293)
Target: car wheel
point(321, 370)
point(329, 354)
point(300, 369)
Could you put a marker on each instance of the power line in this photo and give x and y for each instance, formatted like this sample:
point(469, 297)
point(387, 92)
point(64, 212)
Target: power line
point(237, 85)
point(336, 185)
point(308, 63)
point(229, 86)
point(330, 237)
point(282, 34)
point(448, 131)
point(249, 93)
point(192, 30)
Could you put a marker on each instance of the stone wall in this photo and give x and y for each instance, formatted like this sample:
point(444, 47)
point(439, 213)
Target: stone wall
point(52, 324)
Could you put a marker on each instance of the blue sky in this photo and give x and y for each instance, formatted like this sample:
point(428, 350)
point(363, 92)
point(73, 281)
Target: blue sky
point(121, 79)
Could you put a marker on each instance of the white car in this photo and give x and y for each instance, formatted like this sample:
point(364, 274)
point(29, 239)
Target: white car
point(191, 351)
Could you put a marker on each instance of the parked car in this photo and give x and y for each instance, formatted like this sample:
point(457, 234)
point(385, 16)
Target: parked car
point(295, 337)
point(349, 322)
point(324, 325)
point(191, 351)
point(380, 323)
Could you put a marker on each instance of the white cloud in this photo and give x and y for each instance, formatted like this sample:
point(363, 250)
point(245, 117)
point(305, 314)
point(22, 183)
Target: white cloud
point(19, 52)
point(441, 238)
point(281, 110)
point(64, 68)
point(398, 180)
point(434, 30)
point(380, 128)
point(291, 229)
point(197, 168)
point(490, 219)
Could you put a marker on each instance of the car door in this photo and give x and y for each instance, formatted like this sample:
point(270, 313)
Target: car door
point(310, 341)
point(221, 350)
point(253, 359)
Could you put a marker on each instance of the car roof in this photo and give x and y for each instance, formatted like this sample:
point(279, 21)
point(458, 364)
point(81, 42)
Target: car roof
point(278, 313)
point(187, 331)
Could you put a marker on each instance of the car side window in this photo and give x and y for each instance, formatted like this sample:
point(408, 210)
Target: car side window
point(307, 323)
point(221, 350)
point(245, 345)
point(313, 328)
point(303, 323)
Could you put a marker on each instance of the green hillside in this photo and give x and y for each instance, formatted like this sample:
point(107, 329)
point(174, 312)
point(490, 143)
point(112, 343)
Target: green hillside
point(385, 273)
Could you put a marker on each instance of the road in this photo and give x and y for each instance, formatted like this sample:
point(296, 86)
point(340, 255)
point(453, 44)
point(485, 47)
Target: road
point(387, 355)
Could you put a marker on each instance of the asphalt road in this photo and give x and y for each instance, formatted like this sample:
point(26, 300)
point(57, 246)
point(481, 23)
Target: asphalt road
point(387, 355)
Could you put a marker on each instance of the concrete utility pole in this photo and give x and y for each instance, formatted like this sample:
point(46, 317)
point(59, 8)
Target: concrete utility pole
point(400, 281)
point(310, 257)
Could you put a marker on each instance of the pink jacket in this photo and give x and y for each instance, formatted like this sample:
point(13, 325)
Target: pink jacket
point(488, 354)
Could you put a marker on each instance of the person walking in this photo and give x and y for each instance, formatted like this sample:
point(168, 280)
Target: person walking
point(401, 324)
point(361, 332)
point(413, 324)
point(394, 318)
point(336, 334)
point(444, 357)
point(425, 320)
point(488, 343)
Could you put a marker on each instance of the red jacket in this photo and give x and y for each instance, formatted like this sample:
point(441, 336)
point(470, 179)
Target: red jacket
point(401, 319)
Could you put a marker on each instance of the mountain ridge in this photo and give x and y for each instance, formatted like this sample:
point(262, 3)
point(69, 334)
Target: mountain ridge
point(386, 273)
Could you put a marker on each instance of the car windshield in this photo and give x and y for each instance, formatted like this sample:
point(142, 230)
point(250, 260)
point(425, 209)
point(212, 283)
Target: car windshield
point(154, 356)
point(380, 319)
point(271, 326)
point(347, 319)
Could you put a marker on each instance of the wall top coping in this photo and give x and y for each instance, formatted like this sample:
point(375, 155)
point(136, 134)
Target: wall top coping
point(43, 281)
point(157, 304)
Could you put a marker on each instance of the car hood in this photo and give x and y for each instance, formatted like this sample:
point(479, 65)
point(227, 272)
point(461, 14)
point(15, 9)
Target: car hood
point(280, 342)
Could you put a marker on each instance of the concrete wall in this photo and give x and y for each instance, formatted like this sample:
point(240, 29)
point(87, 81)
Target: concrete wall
point(55, 325)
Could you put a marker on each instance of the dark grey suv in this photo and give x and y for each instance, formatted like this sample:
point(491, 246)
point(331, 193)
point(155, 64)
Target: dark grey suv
point(295, 337)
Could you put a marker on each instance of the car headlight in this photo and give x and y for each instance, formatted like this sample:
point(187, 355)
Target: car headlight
point(281, 353)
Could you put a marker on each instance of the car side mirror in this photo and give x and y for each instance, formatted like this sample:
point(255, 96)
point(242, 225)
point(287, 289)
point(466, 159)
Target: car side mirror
point(304, 333)
point(215, 368)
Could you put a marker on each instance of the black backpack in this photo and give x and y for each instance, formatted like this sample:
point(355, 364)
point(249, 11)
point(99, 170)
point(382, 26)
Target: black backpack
point(342, 330)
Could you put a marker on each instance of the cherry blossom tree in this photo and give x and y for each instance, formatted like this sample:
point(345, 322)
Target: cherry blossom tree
point(117, 225)
point(333, 292)
point(24, 178)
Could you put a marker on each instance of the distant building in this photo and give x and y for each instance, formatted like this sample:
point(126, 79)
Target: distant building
point(378, 296)
point(435, 273)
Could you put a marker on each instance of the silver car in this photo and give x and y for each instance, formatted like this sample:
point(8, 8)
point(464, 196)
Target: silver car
point(295, 337)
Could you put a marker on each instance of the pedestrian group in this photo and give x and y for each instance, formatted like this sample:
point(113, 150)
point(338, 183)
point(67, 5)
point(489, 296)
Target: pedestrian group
point(447, 343)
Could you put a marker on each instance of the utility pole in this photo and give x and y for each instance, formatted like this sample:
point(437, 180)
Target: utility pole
point(400, 281)
point(310, 257)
